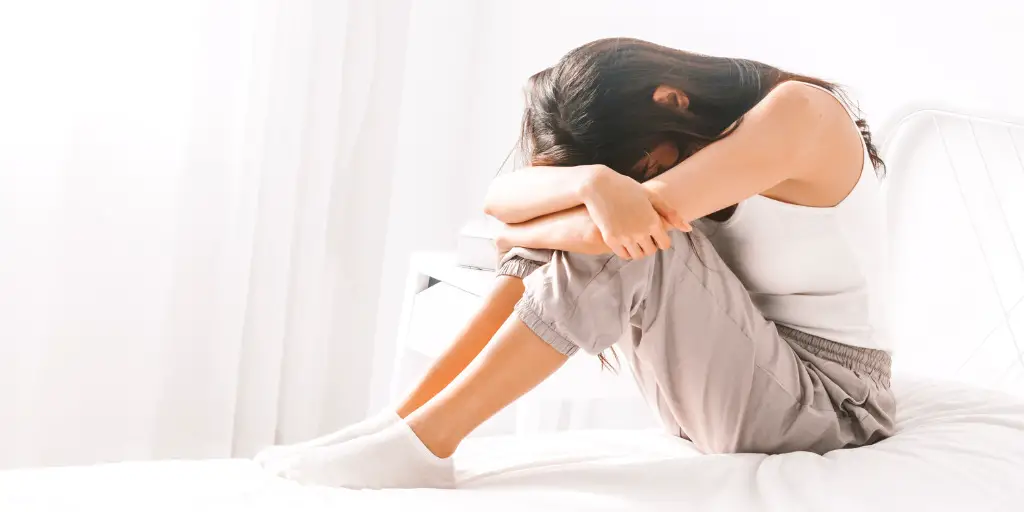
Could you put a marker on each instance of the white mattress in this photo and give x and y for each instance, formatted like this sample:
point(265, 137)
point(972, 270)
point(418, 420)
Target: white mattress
point(958, 448)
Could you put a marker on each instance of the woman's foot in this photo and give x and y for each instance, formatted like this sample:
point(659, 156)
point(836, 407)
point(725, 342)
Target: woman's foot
point(392, 458)
point(278, 458)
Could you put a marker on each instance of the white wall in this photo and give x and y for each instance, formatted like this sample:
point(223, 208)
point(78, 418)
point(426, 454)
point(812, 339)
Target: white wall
point(460, 120)
point(886, 52)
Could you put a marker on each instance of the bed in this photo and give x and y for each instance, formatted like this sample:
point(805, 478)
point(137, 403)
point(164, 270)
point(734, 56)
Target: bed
point(956, 194)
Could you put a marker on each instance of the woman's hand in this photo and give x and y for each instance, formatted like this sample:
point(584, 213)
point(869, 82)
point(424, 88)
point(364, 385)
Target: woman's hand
point(633, 219)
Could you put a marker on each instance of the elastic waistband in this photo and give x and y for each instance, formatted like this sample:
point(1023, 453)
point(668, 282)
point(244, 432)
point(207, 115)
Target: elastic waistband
point(875, 363)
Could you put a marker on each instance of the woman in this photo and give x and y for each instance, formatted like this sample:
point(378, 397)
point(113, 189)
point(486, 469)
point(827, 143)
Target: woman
point(762, 330)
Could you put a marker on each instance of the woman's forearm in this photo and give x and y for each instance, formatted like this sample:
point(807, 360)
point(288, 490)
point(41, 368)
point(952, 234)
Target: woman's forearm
point(569, 230)
point(535, 191)
point(791, 135)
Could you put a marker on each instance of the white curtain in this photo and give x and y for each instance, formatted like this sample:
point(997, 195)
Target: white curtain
point(207, 209)
point(181, 260)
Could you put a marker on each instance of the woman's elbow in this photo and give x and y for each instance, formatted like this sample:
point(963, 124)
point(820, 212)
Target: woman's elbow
point(493, 207)
point(498, 211)
point(490, 209)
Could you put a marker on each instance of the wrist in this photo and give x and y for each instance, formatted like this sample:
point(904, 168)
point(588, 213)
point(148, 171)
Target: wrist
point(653, 186)
point(592, 181)
point(656, 189)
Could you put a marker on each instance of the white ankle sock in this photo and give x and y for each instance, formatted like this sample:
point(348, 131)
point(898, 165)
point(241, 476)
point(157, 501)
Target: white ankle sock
point(277, 458)
point(392, 458)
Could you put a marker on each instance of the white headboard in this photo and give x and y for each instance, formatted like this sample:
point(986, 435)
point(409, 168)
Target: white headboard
point(955, 190)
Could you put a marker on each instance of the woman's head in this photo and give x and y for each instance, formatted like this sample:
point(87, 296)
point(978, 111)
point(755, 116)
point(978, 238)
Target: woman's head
point(639, 108)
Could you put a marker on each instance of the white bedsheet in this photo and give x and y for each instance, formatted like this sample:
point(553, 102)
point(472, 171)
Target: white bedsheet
point(958, 448)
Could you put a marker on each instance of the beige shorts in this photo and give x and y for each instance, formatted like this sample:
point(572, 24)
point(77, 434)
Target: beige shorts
point(715, 370)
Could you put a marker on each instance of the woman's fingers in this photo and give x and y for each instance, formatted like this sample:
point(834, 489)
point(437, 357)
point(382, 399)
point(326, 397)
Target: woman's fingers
point(677, 221)
point(618, 248)
point(633, 251)
point(670, 214)
point(681, 224)
point(647, 246)
point(644, 243)
point(661, 238)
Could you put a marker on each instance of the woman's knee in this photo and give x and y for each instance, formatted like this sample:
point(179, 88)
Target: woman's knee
point(521, 262)
point(586, 300)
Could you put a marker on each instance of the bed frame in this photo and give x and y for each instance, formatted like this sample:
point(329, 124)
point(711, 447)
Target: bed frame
point(955, 192)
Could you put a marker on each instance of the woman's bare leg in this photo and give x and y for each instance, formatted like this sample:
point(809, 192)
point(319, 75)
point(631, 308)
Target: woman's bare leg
point(513, 363)
point(497, 306)
point(415, 453)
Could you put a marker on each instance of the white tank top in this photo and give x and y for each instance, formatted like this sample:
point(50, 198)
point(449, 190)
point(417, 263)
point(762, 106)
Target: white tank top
point(822, 271)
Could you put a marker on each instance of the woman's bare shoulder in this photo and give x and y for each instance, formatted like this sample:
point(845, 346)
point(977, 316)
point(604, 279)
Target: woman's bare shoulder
point(825, 149)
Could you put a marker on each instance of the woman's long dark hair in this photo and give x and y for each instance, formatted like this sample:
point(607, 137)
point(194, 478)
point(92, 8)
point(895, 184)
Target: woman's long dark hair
point(595, 106)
